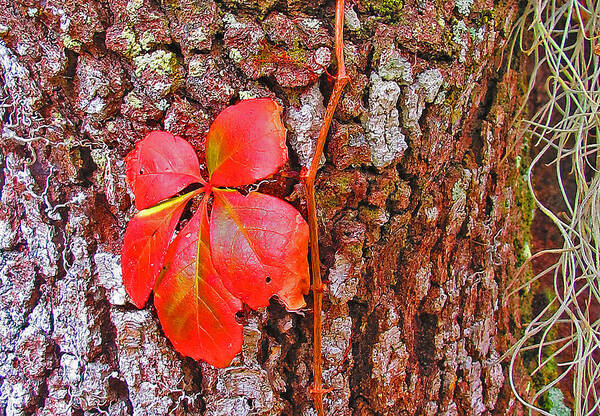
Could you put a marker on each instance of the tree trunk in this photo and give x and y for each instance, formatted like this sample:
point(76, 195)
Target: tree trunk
point(422, 218)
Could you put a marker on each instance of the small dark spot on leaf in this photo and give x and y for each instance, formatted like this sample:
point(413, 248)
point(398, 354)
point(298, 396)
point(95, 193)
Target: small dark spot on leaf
point(268, 279)
point(142, 171)
point(239, 317)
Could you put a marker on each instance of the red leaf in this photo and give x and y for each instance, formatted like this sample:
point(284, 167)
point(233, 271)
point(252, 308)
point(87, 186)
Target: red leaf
point(160, 166)
point(245, 143)
point(145, 246)
point(197, 313)
point(259, 246)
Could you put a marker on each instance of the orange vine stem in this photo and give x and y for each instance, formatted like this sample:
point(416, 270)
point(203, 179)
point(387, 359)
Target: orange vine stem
point(309, 184)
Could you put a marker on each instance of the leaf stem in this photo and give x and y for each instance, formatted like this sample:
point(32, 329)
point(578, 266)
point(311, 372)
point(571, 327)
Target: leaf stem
point(309, 184)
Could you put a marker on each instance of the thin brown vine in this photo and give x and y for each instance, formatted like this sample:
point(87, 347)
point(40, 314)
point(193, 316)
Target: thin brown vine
point(341, 79)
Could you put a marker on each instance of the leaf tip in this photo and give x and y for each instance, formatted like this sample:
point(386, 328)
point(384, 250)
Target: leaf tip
point(246, 143)
point(294, 303)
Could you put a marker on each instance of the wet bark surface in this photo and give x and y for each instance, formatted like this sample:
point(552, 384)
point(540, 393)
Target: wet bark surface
point(422, 221)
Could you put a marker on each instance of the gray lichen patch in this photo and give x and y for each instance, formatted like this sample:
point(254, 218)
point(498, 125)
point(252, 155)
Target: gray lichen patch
point(20, 186)
point(414, 98)
point(336, 339)
point(351, 19)
point(87, 383)
point(464, 6)
point(18, 81)
point(8, 228)
point(77, 320)
point(108, 269)
point(245, 387)
point(159, 61)
point(244, 390)
point(430, 82)
point(148, 365)
point(336, 349)
point(20, 97)
point(342, 285)
point(412, 104)
point(394, 67)
point(472, 373)
point(34, 350)
point(210, 81)
point(304, 123)
point(159, 72)
point(389, 357)
point(100, 84)
point(17, 290)
point(382, 124)
point(460, 34)
point(39, 237)
point(16, 398)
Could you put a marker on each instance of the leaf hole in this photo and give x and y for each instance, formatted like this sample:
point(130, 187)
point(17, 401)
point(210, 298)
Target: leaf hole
point(239, 317)
point(268, 279)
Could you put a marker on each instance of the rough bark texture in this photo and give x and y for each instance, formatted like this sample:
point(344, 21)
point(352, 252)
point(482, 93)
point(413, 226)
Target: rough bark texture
point(421, 224)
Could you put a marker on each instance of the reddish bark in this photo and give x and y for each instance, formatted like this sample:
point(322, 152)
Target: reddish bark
point(419, 221)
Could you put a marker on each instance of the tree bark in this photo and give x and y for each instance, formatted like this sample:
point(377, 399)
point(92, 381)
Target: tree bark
point(422, 219)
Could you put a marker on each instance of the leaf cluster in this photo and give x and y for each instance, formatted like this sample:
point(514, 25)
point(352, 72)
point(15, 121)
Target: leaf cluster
point(246, 248)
